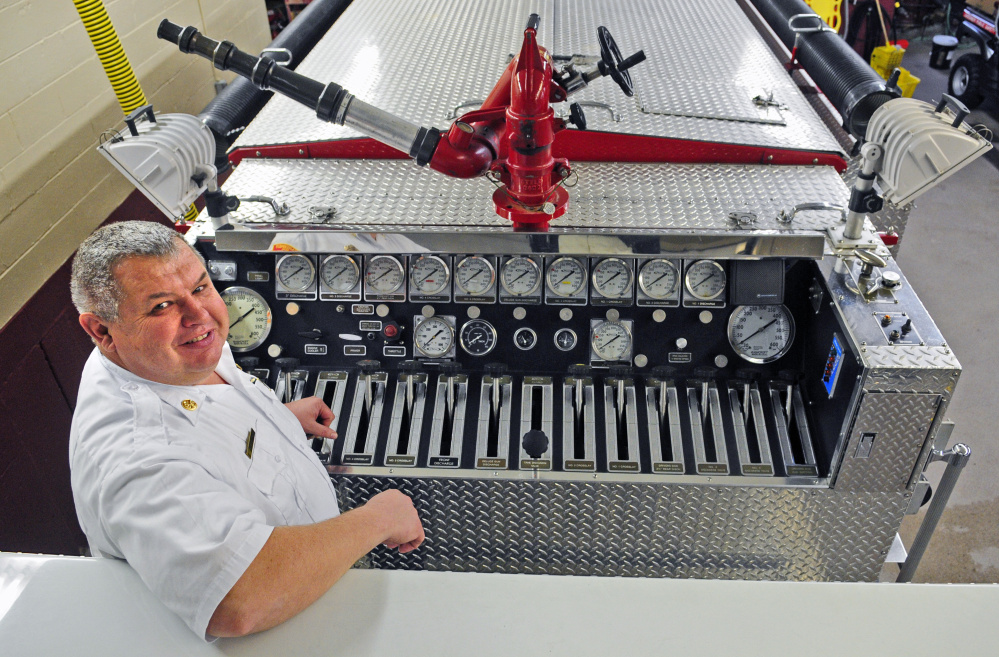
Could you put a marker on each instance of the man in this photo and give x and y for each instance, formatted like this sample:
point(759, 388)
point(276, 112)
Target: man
point(192, 470)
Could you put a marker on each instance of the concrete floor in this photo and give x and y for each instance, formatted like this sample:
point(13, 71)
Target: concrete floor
point(950, 255)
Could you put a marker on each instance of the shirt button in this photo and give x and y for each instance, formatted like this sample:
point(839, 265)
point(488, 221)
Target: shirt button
point(277, 459)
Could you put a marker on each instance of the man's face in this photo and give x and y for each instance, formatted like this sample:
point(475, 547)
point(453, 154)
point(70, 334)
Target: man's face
point(171, 322)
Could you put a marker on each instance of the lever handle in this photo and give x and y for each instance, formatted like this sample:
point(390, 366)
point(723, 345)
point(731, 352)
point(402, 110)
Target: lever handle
point(535, 443)
point(961, 109)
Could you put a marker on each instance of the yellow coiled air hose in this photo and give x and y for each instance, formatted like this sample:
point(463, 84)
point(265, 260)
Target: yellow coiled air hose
point(116, 65)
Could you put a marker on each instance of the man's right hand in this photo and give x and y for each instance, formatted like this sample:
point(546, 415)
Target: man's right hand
point(399, 519)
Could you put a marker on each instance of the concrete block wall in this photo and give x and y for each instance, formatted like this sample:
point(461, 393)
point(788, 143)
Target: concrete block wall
point(55, 102)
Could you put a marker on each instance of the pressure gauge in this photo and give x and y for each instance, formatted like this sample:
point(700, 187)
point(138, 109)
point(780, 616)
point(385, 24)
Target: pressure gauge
point(249, 318)
point(520, 276)
point(705, 280)
point(429, 274)
point(296, 272)
point(340, 273)
point(477, 337)
point(612, 278)
point(761, 334)
point(611, 341)
point(434, 337)
point(525, 338)
point(474, 275)
point(658, 278)
point(384, 275)
point(566, 277)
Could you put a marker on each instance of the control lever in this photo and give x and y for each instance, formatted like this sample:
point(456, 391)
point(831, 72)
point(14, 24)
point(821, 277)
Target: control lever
point(664, 374)
point(367, 368)
point(249, 363)
point(410, 367)
point(870, 260)
point(579, 372)
point(535, 443)
point(287, 365)
point(450, 368)
point(496, 370)
point(620, 372)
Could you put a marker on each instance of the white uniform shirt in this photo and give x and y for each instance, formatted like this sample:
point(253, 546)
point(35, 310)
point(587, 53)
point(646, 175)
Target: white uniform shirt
point(161, 477)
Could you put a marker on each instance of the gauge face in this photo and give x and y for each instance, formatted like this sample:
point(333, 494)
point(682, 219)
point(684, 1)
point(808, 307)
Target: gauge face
point(565, 339)
point(611, 341)
point(340, 273)
point(658, 278)
point(520, 276)
point(249, 318)
point(705, 280)
point(477, 337)
point(525, 338)
point(296, 272)
point(566, 277)
point(434, 337)
point(384, 275)
point(429, 275)
point(761, 334)
point(474, 275)
point(612, 278)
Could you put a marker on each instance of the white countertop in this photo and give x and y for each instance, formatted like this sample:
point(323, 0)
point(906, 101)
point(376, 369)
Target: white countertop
point(78, 606)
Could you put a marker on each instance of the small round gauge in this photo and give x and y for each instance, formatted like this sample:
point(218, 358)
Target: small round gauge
point(658, 278)
point(429, 274)
point(296, 272)
point(612, 278)
point(384, 275)
point(339, 273)
point(477, 337)
point(520, 276)
point(434, 337)
point(565, 339)
point(249, 318)
point(611, 341)
point(474, 275)
point(566, 277)
point(705, 280)
point(761, 334)
point(525, 338)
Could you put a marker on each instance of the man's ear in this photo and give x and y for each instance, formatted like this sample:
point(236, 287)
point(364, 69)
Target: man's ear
point(98, 331)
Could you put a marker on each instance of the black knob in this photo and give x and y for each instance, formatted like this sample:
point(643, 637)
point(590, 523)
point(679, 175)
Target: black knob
point(286, 363)
point(368, 366)
point(496, 369)
point(450, 367)
point(249, 363)
point(580, 371)
point(314, 334)
point(576, 116)
point(535, 443)
point(619, 371)
point(663, 372)
point(409, 366)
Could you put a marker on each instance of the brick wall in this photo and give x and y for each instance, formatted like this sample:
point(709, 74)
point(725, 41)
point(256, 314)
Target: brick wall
point(55, 189)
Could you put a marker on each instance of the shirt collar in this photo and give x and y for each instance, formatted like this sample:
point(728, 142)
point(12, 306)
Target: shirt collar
point(189, 400)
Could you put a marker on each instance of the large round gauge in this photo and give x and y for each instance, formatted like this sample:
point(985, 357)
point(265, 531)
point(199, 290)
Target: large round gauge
point(429, 274)
point(761, 334)
point(705, 280)
point(477, 337)
point(339, 273)
point(434, 337)
point(566, 277)
point(474, 275)
point(249, 318)
point(611, 341)
point(520, 276)
point(658, 278)
point(384, 274)
point(296, 272)
point(612, 278)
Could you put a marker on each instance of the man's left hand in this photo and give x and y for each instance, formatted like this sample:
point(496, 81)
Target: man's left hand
point(314, 416)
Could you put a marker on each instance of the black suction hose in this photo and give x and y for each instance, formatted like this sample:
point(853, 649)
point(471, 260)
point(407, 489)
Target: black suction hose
point(849, 83)
point(241, 101)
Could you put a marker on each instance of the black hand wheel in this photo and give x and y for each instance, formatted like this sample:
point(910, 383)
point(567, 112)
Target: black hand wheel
point(612, 64)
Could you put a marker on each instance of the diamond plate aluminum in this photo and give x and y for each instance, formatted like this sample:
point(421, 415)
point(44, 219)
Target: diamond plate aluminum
point(420, 60)
point(703, 59)
point(639, 530)
point(417, 59)
point(900, 424)
point(644, 197)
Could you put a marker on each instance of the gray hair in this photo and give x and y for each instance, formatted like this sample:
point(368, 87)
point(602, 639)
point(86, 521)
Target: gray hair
point(93, 284)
